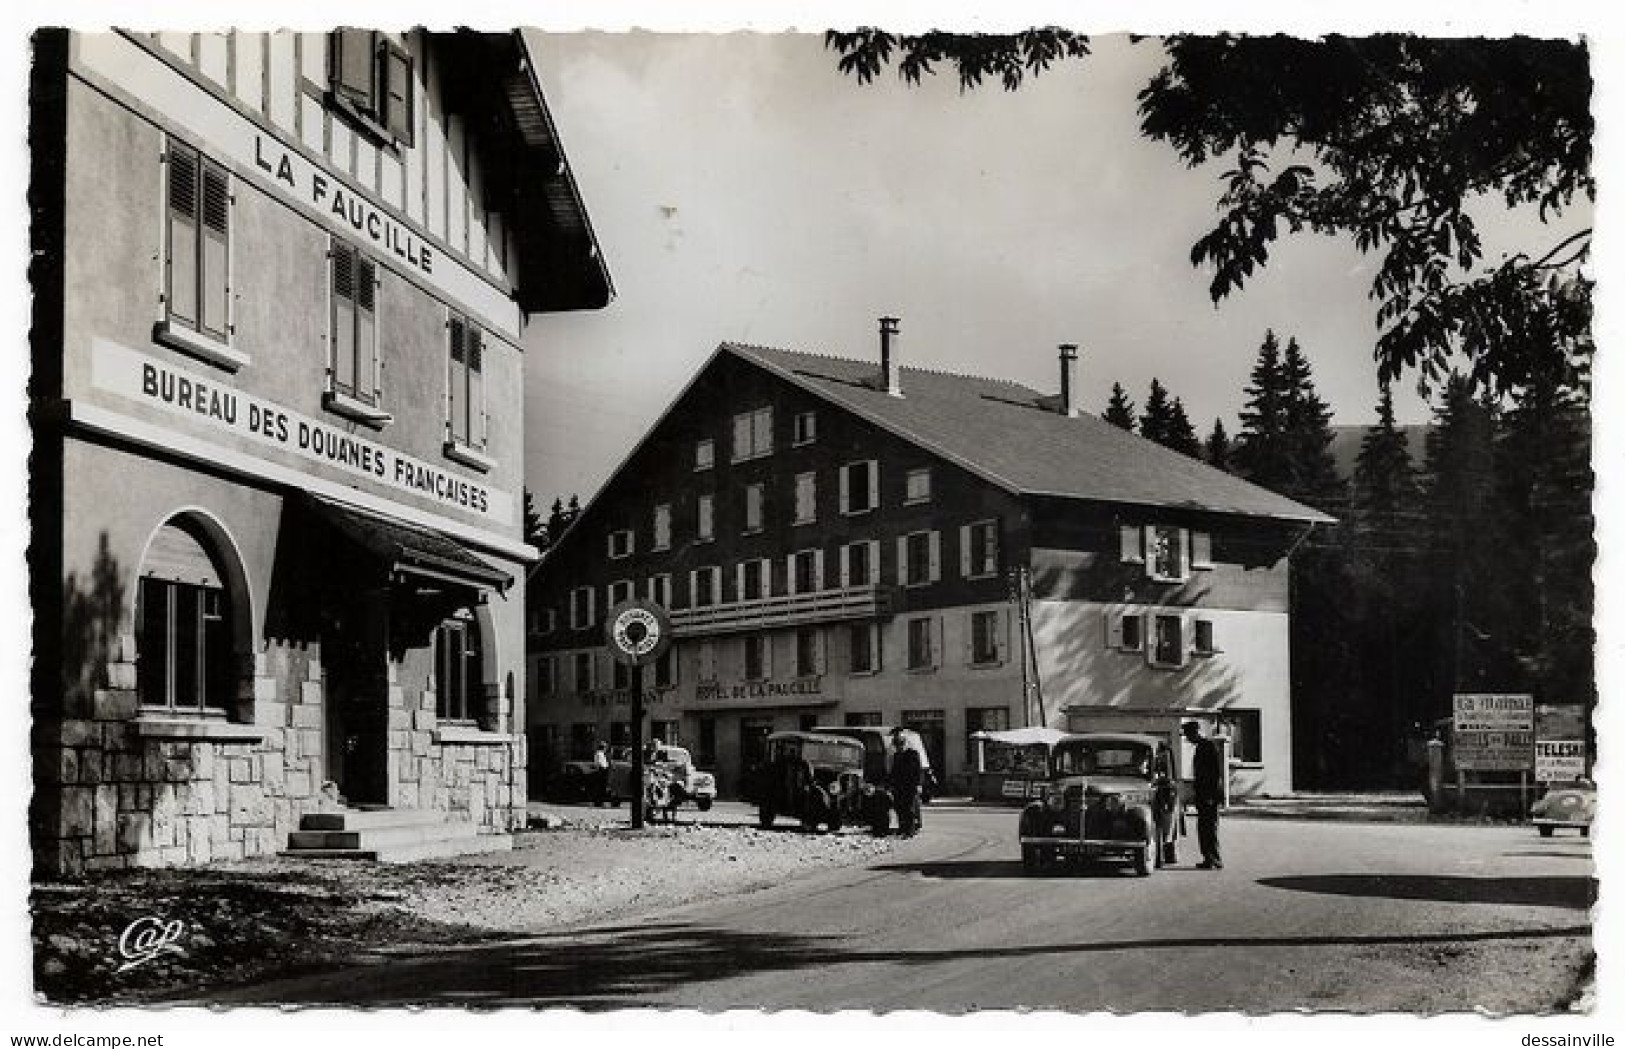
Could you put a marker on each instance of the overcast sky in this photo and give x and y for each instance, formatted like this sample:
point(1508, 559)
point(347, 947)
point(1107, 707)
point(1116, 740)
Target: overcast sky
point(743, 190)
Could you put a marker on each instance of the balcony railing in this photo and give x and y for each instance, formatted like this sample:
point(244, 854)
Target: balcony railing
point(823, 606)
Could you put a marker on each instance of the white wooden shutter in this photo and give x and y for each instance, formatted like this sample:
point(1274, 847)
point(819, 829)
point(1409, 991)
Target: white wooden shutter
point(903, 577)
point(965, 567)
point(874, 562)
point(845, 474)
point(1149, 548)
point(1131, 541)
point(846, 565)
point(818, 570)
point(938, 640)
point(936, 555)
point(592, 606)
point(1114, 630)
point(874, 483)
point(397, 93)
point(1201, 550)
point(1001, 635)
point(969, 640)
point(741, 448)
point(739, 581)
point(354, 66)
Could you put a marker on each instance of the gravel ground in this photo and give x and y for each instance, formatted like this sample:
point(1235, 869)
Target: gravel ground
point(258, 919)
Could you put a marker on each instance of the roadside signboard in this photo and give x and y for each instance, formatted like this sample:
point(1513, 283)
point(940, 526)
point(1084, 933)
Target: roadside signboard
point(1494, 732)
point(1559, 760)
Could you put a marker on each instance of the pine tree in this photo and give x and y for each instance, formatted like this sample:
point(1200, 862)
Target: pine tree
point(1158, 414)
point(1309, 435)
point(1181, 436)
point(1286, 434)
point(574, 511)
point(1385, 485)
point(556, 521)
point(1387, 559)
point(1468, 548)
point(535, 527)
point(1120, 410)
point(1544, 463)
point(1260, 453)
point(1216, 452)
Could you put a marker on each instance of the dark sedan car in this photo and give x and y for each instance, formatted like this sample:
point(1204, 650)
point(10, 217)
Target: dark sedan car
point(1109, 796)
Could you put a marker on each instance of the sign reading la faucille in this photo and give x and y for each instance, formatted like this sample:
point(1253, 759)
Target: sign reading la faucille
point(181, 392)
point(366, 218)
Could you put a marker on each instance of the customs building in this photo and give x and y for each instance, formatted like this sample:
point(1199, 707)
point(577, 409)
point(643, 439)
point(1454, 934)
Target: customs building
point(277, 568)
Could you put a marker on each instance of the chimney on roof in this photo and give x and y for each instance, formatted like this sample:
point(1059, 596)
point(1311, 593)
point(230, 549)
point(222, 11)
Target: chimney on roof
point(891, 365)
point(1069, 380)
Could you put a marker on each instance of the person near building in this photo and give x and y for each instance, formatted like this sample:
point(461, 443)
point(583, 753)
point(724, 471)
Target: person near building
point(1208, 791)
point(600, 774)
point(907, 772)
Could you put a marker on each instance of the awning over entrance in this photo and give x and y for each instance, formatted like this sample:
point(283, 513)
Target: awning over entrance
point(411, 550)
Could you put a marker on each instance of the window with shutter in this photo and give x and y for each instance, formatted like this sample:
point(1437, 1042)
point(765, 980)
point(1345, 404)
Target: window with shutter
point(921, 644)
point(197, 257)
point(705, 525)
point(465, 423)
point(984, 638)
point(1201, 550)
point(753, 508)
point(806, 498)
point(662, 526)
point(1131, 544)
point(1166, 646)
point(355, 388)
point(372, 84)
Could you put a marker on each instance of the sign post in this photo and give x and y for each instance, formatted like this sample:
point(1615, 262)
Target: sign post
point(639, 632)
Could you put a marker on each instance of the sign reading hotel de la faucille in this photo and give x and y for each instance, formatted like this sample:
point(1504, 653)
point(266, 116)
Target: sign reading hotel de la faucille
point(179, 391)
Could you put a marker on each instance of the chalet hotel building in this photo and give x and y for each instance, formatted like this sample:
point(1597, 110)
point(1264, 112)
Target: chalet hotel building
point(277, 560)
point(855, 542)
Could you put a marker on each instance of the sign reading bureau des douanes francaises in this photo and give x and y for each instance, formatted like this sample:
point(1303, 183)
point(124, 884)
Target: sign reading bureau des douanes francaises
point(183, 392)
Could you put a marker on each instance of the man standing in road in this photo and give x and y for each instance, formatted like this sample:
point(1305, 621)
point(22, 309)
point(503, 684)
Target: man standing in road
point(906, 773)
point(600, 774)
point(1208, 787)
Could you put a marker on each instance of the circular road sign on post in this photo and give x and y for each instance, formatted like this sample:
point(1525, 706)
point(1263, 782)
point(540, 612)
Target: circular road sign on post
point(639, 632)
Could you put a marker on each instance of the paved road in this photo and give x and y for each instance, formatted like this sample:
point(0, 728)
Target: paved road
point(1306, 915)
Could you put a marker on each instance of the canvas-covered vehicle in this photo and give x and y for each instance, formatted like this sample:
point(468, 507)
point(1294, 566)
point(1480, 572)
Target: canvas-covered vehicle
point(1110, 796)
point(877, 753)
point(815, 778)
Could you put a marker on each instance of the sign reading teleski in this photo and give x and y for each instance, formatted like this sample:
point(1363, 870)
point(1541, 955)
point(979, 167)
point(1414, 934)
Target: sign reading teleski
point(195, 396)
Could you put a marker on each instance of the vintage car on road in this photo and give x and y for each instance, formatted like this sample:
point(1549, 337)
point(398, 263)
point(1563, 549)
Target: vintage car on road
point(672, 766)
point(1109, 796)
point(673, 780)
point(1565, 805)
point(818, 779)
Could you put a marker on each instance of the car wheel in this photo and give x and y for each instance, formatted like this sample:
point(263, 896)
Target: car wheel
point(1545, 830)
point(764, 817)
point(703, 804)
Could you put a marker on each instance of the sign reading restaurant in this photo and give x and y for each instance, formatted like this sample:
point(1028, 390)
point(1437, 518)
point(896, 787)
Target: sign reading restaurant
point(182, 392)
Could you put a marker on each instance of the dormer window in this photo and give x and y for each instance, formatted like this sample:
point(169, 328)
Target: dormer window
point(372, 84)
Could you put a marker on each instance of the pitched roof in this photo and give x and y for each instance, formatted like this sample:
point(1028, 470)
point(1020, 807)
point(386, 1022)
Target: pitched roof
point(1012, 436)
